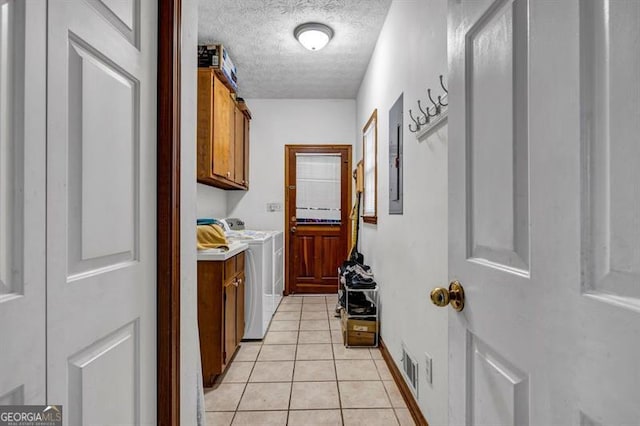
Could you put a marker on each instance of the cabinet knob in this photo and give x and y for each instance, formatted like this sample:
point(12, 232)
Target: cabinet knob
point(228, 174)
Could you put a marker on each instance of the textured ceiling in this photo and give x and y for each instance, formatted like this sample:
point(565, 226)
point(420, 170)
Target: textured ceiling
point(272, 64)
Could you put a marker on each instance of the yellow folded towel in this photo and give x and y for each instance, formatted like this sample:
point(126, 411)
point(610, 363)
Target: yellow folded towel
point(210, 237)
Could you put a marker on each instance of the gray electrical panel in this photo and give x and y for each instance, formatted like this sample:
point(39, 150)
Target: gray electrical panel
point(395, 157)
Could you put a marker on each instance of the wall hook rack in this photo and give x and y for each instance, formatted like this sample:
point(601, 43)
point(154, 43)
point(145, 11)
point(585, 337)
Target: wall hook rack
point(442, 84)
point(415, 121)
point(432, 116)
point(435, 105)
point(425, 113)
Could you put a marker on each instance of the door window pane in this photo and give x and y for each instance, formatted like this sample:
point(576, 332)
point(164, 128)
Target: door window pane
point(318, 188)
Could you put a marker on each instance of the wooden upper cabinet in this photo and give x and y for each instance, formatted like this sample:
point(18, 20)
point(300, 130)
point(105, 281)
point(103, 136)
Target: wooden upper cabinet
point(222, 159)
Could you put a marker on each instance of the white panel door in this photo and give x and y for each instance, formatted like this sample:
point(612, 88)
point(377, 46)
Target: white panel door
point(544, 211)
point(101, 267)
point(22, 201)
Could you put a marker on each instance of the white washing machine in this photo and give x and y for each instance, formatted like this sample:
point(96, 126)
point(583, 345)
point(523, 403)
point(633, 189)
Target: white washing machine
point(264, 278)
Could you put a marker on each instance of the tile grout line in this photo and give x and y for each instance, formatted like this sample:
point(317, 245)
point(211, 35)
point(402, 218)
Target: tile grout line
point(313, 358)
point(335, 368)
point(332, 359)
point(393, 409)
point(245, 384)
point(249, 378)
point(256, 361)
point(275, 410)
point(295, 356)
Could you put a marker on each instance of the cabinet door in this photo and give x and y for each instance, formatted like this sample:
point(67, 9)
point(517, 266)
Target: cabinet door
point(222, 130)
point(240, 308)
point(239, 146)
point(230, 337)
point(246, 151)
point(211, 315)
point(205, 124)
point(231, 120)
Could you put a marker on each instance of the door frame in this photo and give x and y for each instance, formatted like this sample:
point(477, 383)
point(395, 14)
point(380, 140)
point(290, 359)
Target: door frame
point(168, 211)
point(318, 148)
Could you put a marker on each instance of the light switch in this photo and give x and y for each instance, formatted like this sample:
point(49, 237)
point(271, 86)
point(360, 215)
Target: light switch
point(274, 207)
point(428, 368)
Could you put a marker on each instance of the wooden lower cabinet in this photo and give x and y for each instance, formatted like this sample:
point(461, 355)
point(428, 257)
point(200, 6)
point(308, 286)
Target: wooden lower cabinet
point(240, 309)
point(230, 321)
point(220, 313)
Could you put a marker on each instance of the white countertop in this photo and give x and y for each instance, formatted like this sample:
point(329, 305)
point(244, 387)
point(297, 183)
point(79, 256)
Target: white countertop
point(235, 247)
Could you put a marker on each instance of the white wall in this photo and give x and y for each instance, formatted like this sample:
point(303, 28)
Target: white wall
point(408, 253)
point(189, 338)
point(212, 202)
point(276, 123)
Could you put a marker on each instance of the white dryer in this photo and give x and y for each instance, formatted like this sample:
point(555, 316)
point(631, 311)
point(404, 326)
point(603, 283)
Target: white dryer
point(264, 278)
point(278, 267)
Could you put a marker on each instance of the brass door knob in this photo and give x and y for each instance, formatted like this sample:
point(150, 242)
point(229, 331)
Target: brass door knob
point(454, 296)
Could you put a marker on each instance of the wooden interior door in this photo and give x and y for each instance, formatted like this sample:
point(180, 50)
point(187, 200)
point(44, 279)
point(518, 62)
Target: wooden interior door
point(101, 210)
point(543, 212)
point(318, 234)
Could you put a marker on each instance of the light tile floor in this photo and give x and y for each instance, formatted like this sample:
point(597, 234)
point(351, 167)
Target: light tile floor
point(301, 374)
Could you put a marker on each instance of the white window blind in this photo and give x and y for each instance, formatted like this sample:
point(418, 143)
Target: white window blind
point(318, 188)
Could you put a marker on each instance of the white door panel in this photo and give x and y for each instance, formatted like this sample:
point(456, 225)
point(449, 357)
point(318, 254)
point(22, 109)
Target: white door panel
point(22, 201)
point(609, 310)
point(497, 142)
point(124, 15)
point(489, 214)
point(103, 153)
point(544, 211)
point(101, 212)
point(610, 35)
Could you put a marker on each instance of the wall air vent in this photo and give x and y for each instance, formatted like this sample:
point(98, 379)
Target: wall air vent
point(410, 370)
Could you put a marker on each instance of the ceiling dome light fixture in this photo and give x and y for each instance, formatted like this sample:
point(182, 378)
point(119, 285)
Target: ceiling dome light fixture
point(312, 35)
